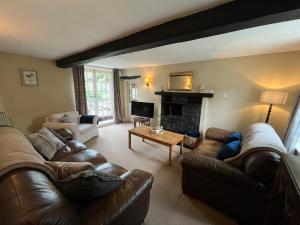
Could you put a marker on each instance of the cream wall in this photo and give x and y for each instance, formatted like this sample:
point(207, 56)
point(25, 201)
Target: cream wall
point(28, 106)
point(241, 78)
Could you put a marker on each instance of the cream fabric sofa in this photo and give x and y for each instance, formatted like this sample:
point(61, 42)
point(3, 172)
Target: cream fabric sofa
point(82, 132)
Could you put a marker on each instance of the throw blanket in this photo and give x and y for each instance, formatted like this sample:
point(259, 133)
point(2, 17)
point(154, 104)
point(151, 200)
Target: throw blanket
point(17, 152)
point(258, 137)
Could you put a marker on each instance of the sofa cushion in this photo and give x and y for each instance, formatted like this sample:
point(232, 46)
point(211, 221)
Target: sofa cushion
point(88, 185)
point(65, 169)
point(229, 150)
point(85, 127)
point(67, 119)
point(87, 119)
point(45, 143)
point(208, 148)
point(217, 134)
point(57, 117)
point(88, 155)
point(69, 149)
point(57, 135)
point(236, 136)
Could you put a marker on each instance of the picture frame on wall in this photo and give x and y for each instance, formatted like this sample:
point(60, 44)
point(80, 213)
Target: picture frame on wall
point(29, 78)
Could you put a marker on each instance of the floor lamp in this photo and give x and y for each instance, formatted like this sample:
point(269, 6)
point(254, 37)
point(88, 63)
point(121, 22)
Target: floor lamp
point(273, 98)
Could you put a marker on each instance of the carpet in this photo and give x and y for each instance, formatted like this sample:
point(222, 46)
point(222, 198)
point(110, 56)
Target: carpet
point(168, 206)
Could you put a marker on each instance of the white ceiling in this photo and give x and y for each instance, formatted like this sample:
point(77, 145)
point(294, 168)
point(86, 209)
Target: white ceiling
point(280, 37)
point(56, 28)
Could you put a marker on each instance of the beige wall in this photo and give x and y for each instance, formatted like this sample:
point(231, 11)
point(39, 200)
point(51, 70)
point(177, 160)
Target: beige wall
point(241, 78)
point(28, 106)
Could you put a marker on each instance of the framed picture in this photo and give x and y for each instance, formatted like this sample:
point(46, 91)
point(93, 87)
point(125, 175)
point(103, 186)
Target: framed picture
point(29, 78)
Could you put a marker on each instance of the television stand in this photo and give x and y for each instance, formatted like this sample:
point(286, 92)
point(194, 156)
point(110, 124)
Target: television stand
point(141, 121)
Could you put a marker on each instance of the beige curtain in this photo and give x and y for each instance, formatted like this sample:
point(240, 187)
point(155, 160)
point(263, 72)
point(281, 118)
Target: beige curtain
point(119, 116)
point(79, 88)
point(292, 134)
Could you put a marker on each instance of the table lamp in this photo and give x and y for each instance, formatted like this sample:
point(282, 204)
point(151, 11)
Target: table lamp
point(273, 98)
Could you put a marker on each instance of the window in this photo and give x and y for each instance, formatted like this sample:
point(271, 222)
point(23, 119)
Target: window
point(132, 92)
point(292, 136)
point(99, 93)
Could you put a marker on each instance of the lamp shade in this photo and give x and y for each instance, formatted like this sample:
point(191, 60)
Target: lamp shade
point(274, 97)
point(1, 105)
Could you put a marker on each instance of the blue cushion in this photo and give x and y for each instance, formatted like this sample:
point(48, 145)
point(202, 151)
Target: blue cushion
point(87, 119)
point(193, 133)
point(229, 150)
point(237, 136)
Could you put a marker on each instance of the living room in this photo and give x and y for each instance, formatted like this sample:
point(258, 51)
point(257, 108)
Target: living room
point(189, 114)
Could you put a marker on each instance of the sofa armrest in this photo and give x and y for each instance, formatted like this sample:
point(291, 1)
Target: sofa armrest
point(219, 171)
point(128, 204)
point(73, 127)
point(95, 120)
point(30, 198)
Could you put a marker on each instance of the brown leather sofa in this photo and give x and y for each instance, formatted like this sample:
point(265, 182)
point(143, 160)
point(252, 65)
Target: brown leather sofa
point(242, 192)
point(28, 197)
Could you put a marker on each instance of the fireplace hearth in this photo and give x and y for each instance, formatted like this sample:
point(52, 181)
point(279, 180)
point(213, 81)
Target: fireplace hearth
point(181, 111)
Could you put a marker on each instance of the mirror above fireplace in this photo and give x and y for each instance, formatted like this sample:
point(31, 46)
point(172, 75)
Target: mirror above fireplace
point(180, 81)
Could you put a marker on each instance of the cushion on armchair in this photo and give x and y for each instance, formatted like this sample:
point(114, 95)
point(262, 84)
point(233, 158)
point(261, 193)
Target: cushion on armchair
point(229, 150)
point(87, 119)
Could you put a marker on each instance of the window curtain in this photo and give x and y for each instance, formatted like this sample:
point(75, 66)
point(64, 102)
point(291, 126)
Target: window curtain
point(292, 134)
point(119, 117)
point(79, 88)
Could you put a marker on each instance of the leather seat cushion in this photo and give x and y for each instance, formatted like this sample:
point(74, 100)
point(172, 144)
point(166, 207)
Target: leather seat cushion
point(111, 168)
point(85, 127)
point(122, 206)
point(87, 155)
point(71, 148)
point(208, 147)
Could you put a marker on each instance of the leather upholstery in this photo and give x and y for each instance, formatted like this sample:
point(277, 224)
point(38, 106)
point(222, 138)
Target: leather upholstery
point(71, 148)
point(125, 200)
point(28, 197)
point(217, 134)
point(262, 166)
point(87, 155)
point(111, 168)
point(242, 193)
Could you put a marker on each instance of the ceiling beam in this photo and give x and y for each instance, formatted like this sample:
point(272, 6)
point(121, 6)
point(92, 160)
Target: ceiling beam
point(232, 16)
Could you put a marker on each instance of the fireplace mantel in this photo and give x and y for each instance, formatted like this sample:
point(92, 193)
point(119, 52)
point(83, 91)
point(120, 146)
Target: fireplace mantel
point(187, 94)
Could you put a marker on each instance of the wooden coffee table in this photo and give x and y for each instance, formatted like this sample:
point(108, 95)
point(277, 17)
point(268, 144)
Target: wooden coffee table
point(166, 138)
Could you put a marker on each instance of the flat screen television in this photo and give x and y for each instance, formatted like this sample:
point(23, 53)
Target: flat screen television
point(143, 109)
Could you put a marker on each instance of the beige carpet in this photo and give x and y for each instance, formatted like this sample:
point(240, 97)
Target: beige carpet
point(168, 206)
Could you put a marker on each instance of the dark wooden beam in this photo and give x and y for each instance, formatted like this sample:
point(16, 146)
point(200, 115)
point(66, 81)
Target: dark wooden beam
point(232, 16)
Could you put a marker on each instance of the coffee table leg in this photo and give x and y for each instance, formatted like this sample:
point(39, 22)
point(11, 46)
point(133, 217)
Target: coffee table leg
point(181, 147)
point(170, 155)
point(129, 140)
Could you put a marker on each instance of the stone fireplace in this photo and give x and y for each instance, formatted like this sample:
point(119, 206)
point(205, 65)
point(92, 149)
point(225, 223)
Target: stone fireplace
point(181, 111)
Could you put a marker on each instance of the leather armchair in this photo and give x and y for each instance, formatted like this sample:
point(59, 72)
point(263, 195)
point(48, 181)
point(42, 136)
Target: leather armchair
point(241, 192)
point(224, 187)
